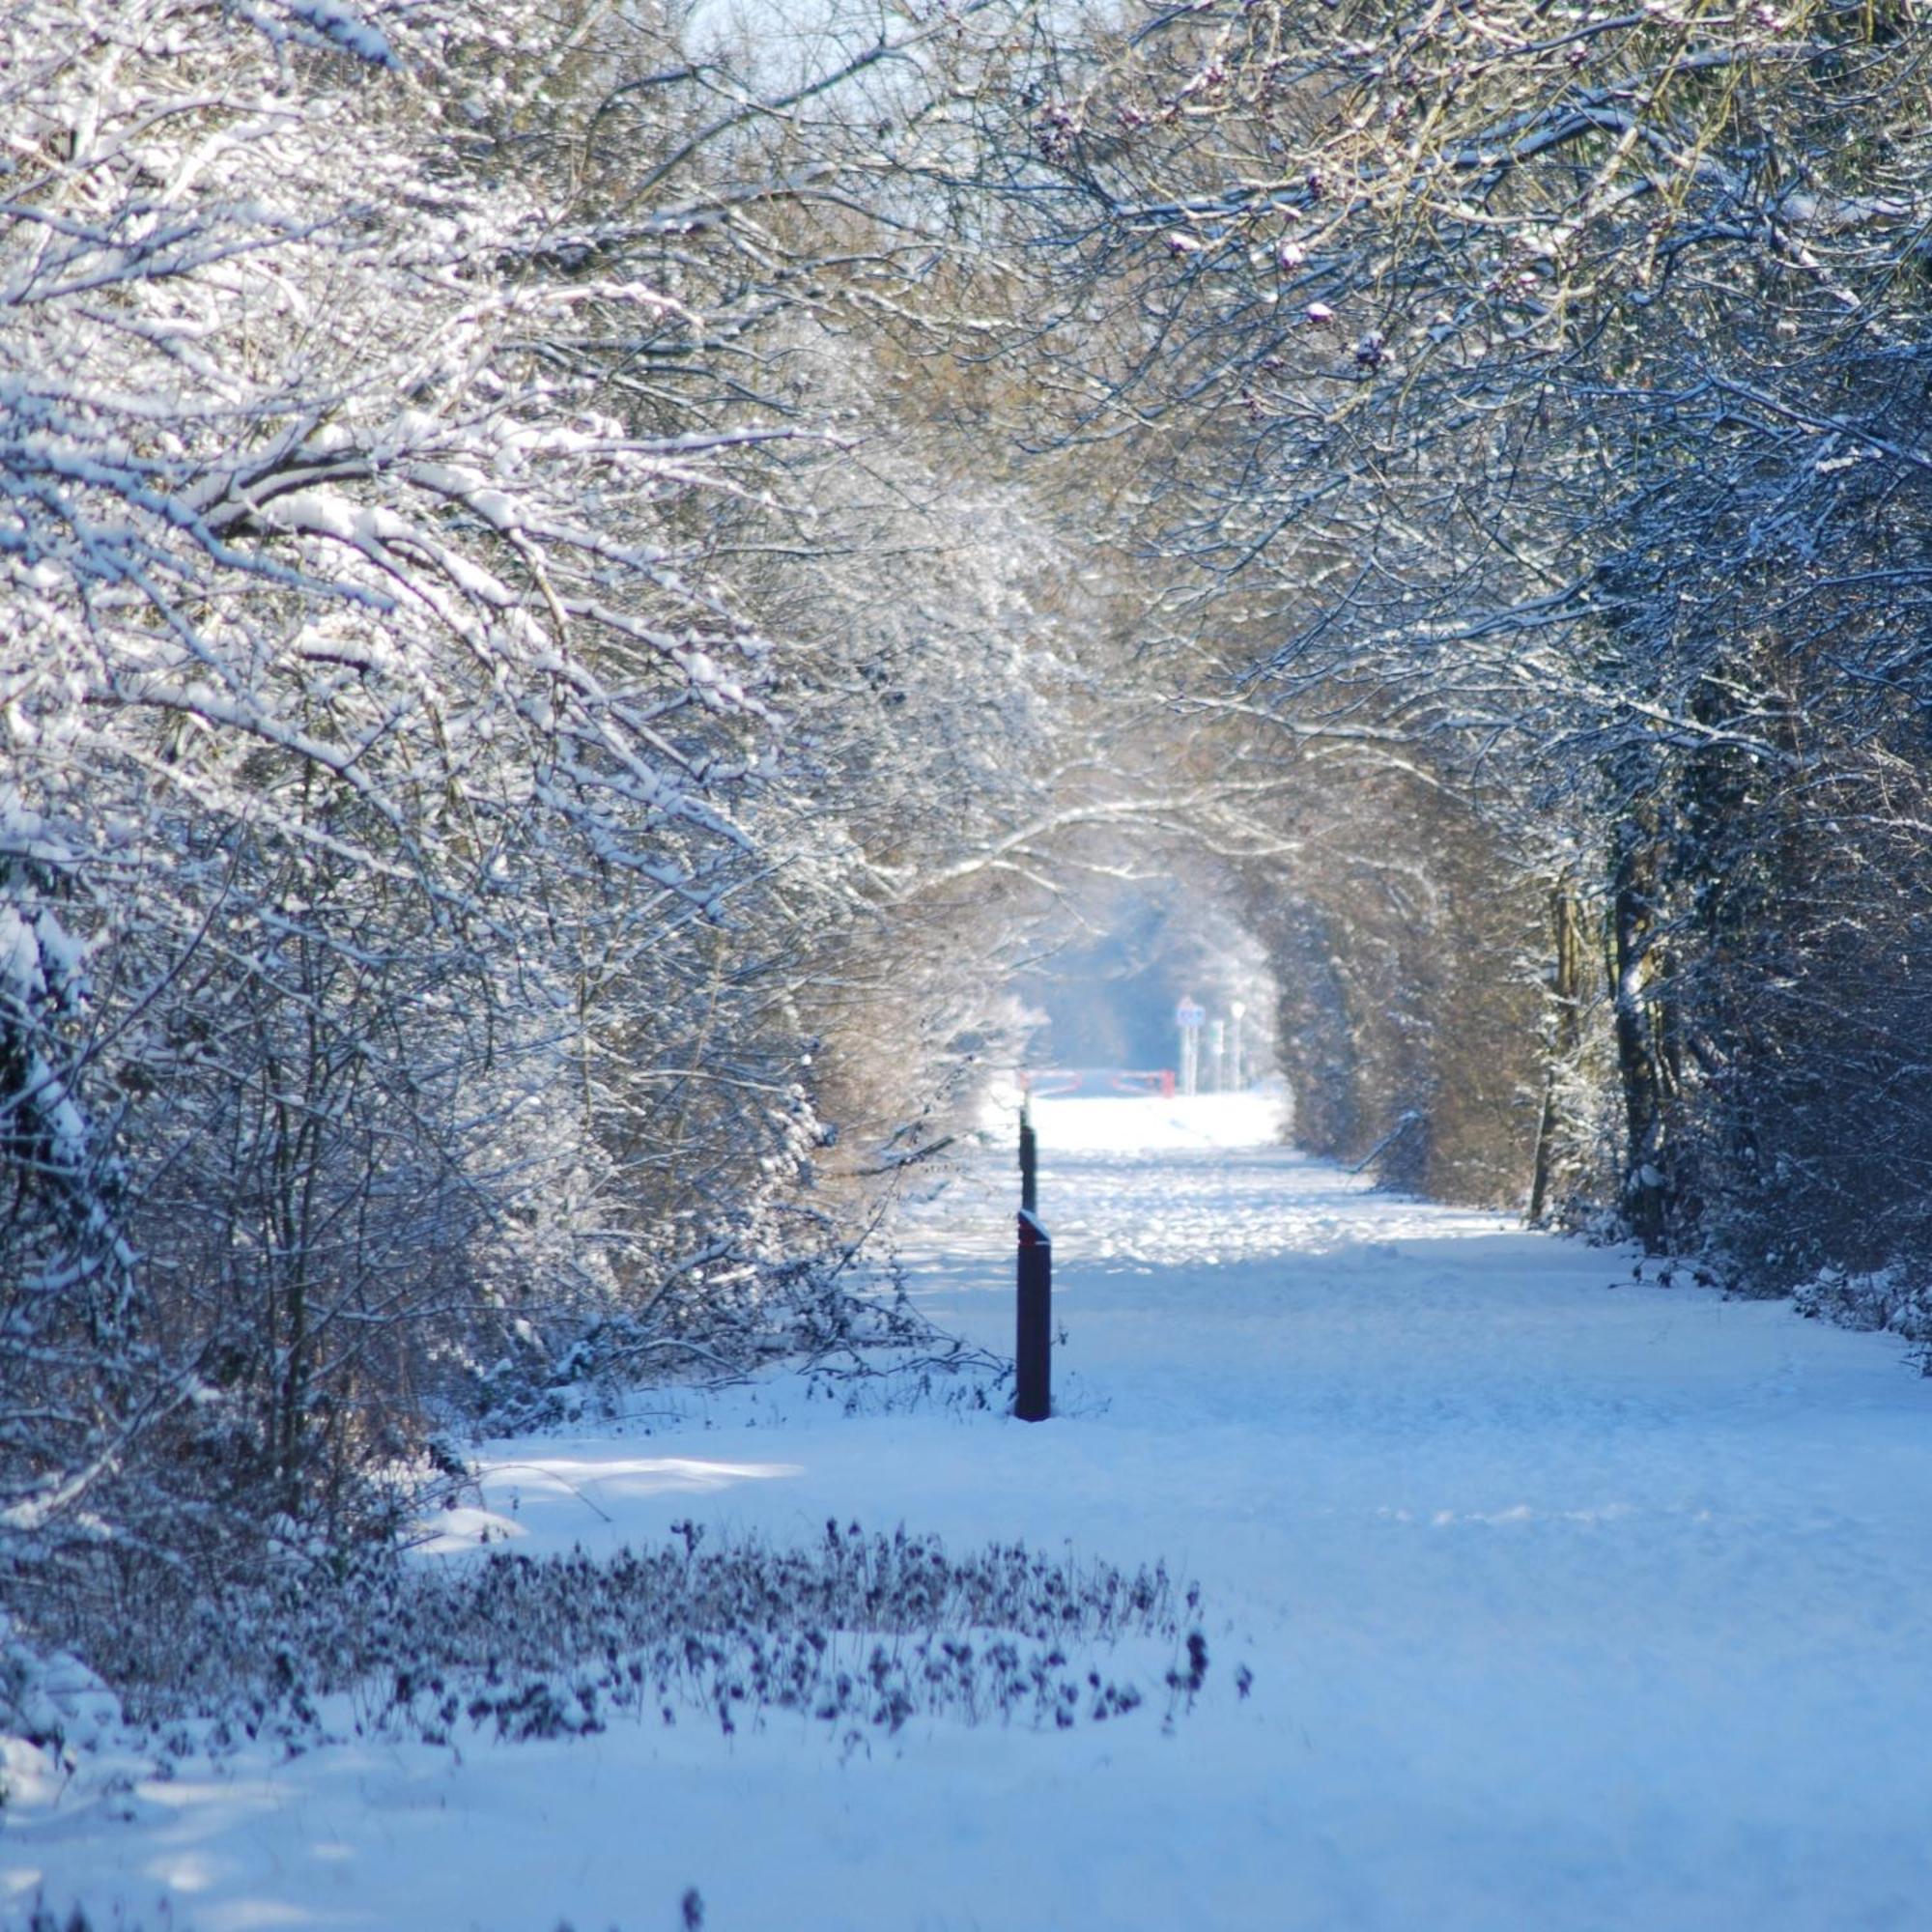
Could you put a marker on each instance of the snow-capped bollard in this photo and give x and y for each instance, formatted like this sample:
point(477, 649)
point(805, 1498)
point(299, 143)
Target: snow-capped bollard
point(1032, 1372)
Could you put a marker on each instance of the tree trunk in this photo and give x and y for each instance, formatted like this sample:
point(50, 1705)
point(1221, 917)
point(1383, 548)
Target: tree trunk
point(1565, 1034)
point(1640, 1074)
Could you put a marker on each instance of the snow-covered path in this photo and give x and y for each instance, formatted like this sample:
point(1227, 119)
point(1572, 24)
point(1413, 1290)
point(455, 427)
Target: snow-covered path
point(1571, 1603)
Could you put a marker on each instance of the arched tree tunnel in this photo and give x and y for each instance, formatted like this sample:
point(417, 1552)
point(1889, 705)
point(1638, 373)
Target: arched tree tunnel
point(605, 607)
point(1381, 973)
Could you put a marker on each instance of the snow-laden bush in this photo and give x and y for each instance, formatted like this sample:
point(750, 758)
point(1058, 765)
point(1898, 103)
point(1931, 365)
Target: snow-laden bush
point(1894, 1298)
point(416, 923)
point(51, 1700)
point(372, 738)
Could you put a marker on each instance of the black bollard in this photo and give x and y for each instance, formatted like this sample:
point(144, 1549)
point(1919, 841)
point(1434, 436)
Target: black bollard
point(1032, 1370)
point(1029, 1160)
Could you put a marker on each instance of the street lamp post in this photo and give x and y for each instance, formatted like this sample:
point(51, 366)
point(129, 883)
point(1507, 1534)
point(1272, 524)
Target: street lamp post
point(1188, 1014)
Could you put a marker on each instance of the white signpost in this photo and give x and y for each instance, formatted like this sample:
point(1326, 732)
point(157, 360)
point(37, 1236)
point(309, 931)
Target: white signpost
point(1188, 1016)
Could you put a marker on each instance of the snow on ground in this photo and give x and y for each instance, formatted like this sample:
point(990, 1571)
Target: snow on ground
point(1571, 1604)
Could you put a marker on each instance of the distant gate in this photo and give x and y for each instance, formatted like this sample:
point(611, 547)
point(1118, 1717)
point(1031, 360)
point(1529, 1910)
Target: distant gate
point(1051, 1081)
